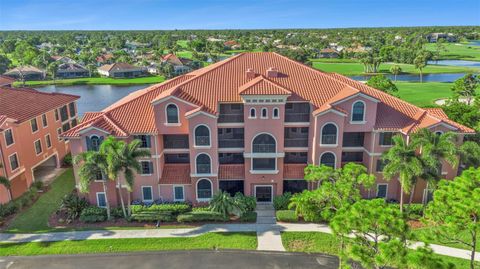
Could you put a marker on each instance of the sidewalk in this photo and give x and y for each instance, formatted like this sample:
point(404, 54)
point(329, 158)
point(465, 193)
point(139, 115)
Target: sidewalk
point(265, 232)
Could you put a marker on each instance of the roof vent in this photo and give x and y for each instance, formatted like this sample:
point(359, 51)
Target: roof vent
point(251, 73)
point(272, 72)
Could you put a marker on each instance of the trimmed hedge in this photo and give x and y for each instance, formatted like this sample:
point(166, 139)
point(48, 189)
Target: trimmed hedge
point(287, 216)
point(250, 216)
point(413, 211)
point(93, 214)
point(200, 216)
point(153, 216)
point(174, 209)
point(25, 200)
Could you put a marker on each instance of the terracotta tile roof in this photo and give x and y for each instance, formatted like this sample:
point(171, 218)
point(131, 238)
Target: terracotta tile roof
point(438, 112)
point(221, 82)
point(22, 104)
point(262, 86)
point(28, 69)
point(4, 80)
point(175, 173)
point(118, 67)
point(294, 170)
point(231, 171)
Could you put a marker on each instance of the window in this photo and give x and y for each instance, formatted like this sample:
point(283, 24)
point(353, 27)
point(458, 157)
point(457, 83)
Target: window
point(382, 190)
point(59, 132)
point(268, 164)
point(56, 115)
point(144, 139)
point(66, 126)
point(329, 134)
point(44, 120)
point(99, 176)
point(101, 199)
point(48, 142)
point(172, 113)
point(264, 143)
point(8, 137)
point(147, 167)
point(202, 136)
point(64, 113)
point(253, 113)
point(358, 111)
point(438, 132)
point(71, 108)
point(328, 159)
point(74, 122)
point(147, 195)
point(356, 157)
point(38, 146)
point(34, 125)
point(296, 157)
point(264, 113)
point(386, 139)
point(13, 161)
point(204, 189)
point(178, 194)
point(276, 113)
point(93, 142)
point(203, 164)
point(236, 107)
point(380, 165)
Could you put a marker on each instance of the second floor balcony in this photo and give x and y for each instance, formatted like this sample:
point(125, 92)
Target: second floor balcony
point(353, 139)
point(175, 141)
point(231, 138)
point(296, 142)
point(263, 148)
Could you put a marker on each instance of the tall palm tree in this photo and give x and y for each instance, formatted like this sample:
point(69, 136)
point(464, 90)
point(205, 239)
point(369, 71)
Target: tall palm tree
point(92, 163)
point(6, 183)
point(395, 70)
point(469, 154)
point(402, 161)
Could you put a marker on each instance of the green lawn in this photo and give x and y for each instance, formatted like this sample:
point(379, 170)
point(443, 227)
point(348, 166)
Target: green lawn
point(245, 241)
point(35, 218)
point(423, 94)
point(457, 51)
point(183, 43)
point(355, 68)
point(426, 234)
point(316, 242)
point(96, 81)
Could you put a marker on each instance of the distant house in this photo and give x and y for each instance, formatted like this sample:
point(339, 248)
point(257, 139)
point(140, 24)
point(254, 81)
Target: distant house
point(71, 70)
point(180, 65)
point(231, 44)
point(122, 70)
point(135, 45)
point(63, 59)
point(104, 59)
point(434, 37)
point(6, 81)
point(328, 53)
point(153, 68)
point(26, 72)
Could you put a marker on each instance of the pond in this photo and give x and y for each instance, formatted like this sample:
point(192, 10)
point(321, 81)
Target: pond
point(456, 63)
point(94, 97)
point(416, 78)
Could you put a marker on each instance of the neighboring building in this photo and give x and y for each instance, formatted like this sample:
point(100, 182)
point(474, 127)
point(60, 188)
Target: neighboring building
point(251, 124)
point(180, 65)
point(6, 81)
point(328, 53)
point(26, 72)
point(71, 70)
point(30, 124)
point(232, 44)
point(434, 37)
point(122, 70)
point(62, 59)
point(104, 59)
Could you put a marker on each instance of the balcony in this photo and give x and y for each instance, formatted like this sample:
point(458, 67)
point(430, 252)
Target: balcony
point(202, 140)
point(231, 143)
point(296, 142)
point(297, 112)
point(230, 113)
point(175, 142)
point(230, 118)
point(329, 139)
point(231, 138)
point(263, 148)
point(203, 168)
point(351, 139)
point(297, 117)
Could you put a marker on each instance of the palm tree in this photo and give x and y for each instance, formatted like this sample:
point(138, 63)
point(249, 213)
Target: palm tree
point(6, 183)
point(402, 161)
point(469, 154)
point(92, 163)
point(420, 62)
point(395, 70)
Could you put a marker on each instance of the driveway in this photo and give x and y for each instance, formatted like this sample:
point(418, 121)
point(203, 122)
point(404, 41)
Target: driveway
point(176, 259)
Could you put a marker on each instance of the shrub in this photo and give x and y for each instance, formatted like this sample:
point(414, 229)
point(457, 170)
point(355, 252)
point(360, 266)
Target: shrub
point(117, 212)
point(38, 185)
point(153, 216)
point(67, 160)
point(224, 204)
point(73, 206)
point(281, 202)
point(93, 214)
point(200, 216)
point(249, 216)
point(7, 209)
point(413, 211)
point(201, 209)
point(287, 216)
point(174, 208)
point(247, 202)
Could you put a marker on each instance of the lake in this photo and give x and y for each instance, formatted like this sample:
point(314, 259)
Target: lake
point(416, 78)
point(94, 97)
point(456, 63)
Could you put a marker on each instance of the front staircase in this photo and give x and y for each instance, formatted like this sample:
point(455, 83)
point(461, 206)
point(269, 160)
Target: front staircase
point(265, 213)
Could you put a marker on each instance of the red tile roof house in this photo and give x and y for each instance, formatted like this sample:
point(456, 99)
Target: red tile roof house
point(30, 124)
point(122, 70)
point(251, 123)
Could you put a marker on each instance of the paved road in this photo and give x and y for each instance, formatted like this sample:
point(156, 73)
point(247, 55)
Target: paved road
point(177, 259)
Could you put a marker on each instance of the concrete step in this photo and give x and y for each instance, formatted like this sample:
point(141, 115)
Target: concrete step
point(266, 220)
point(264, 207)
point(265, 213)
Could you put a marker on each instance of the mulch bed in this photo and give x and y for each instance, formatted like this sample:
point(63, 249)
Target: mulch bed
point(415, 224)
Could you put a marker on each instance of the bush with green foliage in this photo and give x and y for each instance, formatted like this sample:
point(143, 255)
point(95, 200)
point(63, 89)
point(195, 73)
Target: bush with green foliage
point(165, 216)
point(281, 202)
point(247, 202)
point(249, 216)
point(200, 217)
point(201, 209)
point(38, 185)
point(25, 200)
point(174, 209)
point(93, 214)
point(73, 206)
point(117, 212)
point(287, 216)
point(67, 160)
point(224, 204)
point(412, 211)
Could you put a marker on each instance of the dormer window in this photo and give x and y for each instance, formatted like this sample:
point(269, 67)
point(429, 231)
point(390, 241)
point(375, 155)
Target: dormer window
point(253, 113)
point(264, 113)
point(358, 111)
point(172, 114)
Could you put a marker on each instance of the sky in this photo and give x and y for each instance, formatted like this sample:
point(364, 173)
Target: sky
point(232, 14)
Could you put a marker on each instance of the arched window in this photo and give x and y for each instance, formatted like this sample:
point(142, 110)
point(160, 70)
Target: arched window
point(203, 164)
point(439, 132)
point(93, 142)
point(264, 113)
point(202, 136)
point(328, 159)
point(204, 189)
point(329, 134)
point(264, 143)
point(276, 113)
point(172, 113)
point(358, 111)
point(253, 113)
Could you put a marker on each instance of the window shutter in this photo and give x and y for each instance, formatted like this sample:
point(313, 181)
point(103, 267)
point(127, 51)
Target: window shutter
point(150, 167)
point(89, 143)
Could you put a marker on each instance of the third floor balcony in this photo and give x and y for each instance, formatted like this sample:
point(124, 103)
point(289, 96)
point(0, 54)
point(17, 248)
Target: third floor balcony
point(296, 137)
point(231, 113)
point(297, 112)
point(231, 138)
point(175, 141)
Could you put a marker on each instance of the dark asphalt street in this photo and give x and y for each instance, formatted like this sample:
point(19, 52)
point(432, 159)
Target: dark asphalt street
point(175, 259)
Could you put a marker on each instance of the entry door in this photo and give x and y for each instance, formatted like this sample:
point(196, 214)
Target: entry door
point(263, 193)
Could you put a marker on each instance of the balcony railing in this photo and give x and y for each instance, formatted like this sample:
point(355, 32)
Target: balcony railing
point(296, 142)
point(297, 117)
point(329, 139)
point(202, 140)
point(264, 148)
point(230, 118)
point(176, 144)
point(231, 143)
point(203, 168)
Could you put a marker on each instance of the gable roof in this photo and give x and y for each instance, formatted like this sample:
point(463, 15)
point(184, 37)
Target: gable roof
point(226, 81)
point(118, 67)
